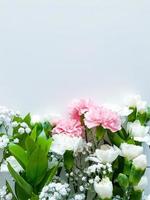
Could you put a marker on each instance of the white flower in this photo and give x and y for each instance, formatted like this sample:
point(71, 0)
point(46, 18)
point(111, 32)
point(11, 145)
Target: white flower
point(4, 195)
point(107, 153)
point(28, 130)
point(64, 142)
point(16, 140)
point(138, 132)
point(140, 162)
point(136, 101)
point(130, 151)
point(14, 124)
point(14, 163)
point(142, 184)
point(21, 130)
point(4, 140)
point(104, 188)
point(24, 125)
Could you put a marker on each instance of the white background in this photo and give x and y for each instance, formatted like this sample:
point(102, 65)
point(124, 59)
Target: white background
point(53, 51)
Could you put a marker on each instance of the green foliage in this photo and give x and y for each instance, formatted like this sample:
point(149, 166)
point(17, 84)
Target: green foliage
point(100, 132)
point(123, 181)
point(32, 155)
point(68, 160)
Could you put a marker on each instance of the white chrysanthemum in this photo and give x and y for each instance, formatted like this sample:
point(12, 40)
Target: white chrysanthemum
point(4, 140)
point(62, 142)
point(107, 153)
point(142, 184)
point(136, 101)
point(138, 132)
point(104, 188)
point(140, 162)
point(14, 163)
point(130, 151)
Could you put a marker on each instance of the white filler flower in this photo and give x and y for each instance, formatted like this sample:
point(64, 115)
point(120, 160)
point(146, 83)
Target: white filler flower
point(104, 188)
point(130, 151)
point(4, 140)
point(107, 153)
point(62, 142)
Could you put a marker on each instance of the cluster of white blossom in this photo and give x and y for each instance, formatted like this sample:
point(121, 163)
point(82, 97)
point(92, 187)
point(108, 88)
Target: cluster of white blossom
point(55, 191)
point(6, 116)
point(23, 127)
point(4, 140)
point(4, 194)
point(78, 197)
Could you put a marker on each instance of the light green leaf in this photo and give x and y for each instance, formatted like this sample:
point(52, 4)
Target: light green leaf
point(19, 153)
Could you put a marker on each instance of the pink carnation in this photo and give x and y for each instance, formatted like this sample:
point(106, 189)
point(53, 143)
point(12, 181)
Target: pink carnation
point(79, 107)
point(69, 127)
point(104, 117)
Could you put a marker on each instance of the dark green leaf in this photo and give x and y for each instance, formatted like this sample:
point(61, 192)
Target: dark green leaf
point(123, 180)
point(68, 160)
point(100, 132)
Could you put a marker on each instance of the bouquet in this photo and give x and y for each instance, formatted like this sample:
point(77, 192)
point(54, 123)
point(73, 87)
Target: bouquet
point(94, 153)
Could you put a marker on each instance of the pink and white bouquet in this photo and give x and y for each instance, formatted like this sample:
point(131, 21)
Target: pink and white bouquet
point(94, 153)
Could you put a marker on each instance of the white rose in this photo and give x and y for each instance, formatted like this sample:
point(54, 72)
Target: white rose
point(107, 153)
point(140, 162)
point(130, 151)
point(104, 188)
point(142, 184)
point(138, 132)
point(62, 142)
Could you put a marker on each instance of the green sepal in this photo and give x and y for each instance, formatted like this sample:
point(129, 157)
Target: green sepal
point(135, 175)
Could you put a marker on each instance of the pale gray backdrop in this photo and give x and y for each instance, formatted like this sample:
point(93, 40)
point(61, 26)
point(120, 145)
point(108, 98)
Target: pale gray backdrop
point(54, 50)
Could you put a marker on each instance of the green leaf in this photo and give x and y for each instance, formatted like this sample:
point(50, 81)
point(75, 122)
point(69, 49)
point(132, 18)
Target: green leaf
point(37, 166)
point(100, 132)
point(27, 119)
point(30, 145)
point(123, 180)
point(68, 160)
point(20, 181)
point(142, 117)
point(115, 138)
point(51, 173)
point(132, 116)
point(44, 143)
point(135, 175)
point(47, 128)
point(136, 195)
point(34, 133)
point(20, 193)
point(19, 153)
